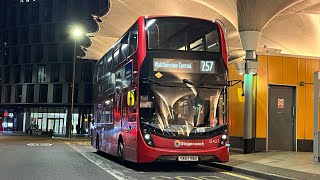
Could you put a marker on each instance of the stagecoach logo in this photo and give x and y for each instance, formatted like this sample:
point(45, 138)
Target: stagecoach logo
point(178, 143)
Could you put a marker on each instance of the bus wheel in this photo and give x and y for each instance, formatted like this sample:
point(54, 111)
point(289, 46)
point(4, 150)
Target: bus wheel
point(120, 153)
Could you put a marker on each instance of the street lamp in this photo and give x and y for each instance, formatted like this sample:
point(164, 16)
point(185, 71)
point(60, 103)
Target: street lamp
point(76, 32)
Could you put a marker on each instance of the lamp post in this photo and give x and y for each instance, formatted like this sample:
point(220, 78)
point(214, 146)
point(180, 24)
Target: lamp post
point(76, 32)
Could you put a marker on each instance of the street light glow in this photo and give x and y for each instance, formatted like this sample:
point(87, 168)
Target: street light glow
point(76, 31)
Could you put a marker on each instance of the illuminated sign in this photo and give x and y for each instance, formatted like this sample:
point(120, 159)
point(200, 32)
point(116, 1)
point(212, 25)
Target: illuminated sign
point(183, 65)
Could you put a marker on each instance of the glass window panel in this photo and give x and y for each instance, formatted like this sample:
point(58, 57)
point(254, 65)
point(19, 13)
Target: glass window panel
point(133, 40)
point(43, 93)
point(18, 93)
point(41, 73)
point(30, 93)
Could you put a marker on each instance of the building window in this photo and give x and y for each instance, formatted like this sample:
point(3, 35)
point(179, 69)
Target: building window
point(35, 13)
point(23, 15)
point(76, 88)
point(6, 56)
point(18, 93)
point(86, 73)
point(15, 55)
point(6, 75)
point(50, 33)
point(30, 93)
point(47, 11)
point(24, 36)
point(13, 37)
point(13, 14)
point(36, 34)
point(67, 53)
point(37, 53)
point(28, 74)
point(43, 93)
point(26, 54)
point(41, 73)
point(88, 93)
point(68, 75)
point(52, 53)
point(17, 74)
point(55, 72)
point(8, 94)
point(57, 93)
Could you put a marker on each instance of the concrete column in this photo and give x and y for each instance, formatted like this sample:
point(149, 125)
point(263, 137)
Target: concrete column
point(249, 40)
point(247, 136)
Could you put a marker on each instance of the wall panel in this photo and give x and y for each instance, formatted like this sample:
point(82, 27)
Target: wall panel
point(275, 74)
point(301, 99)
point(309, 112)
point(262, 98)
point(312, 65)
point(290, 70)
point(236, 109)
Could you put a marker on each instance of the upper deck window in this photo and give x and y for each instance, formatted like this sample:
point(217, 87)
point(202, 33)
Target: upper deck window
point(184, 34)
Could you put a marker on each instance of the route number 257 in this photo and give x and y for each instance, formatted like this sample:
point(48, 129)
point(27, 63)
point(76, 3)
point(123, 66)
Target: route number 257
point(207, 66)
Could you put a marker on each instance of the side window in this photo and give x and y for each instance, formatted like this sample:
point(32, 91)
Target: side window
point(116, 52)
point(95, 74)
point(212, 41)
point(98, 113)
point(133, 39)
point(109, 61)
point(104, 65)
point(100, 69)
point(108, 111)
point(124, 48)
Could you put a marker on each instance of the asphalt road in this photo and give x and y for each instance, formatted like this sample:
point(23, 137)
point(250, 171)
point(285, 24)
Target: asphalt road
point(34, 158)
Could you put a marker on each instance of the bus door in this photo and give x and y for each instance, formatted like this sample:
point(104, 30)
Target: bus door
point(129, 125)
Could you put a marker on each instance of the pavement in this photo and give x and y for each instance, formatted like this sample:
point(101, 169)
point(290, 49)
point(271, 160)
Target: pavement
point(274, 165)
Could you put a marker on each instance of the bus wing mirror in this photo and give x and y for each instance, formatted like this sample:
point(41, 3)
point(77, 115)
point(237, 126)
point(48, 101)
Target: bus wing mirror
point(130, 98)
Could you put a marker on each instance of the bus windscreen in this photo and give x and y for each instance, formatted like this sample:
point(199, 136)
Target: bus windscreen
point(184, 34)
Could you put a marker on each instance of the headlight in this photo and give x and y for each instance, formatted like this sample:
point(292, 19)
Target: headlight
point(224, 137)
point(147, 136)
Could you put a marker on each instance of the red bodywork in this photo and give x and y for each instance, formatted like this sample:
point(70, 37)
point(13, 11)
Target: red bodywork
point(135, 147)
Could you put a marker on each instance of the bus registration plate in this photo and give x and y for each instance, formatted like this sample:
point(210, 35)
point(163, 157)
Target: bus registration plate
point(188, 158)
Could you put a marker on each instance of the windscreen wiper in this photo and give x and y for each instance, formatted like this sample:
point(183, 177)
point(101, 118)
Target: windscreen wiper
point(157, 83)
point(214, 86)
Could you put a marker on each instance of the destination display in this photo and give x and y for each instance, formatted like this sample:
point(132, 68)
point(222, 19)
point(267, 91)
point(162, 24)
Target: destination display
point(183, 65)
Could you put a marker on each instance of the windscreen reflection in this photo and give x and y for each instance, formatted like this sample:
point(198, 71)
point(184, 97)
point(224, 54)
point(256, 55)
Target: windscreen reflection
point(179, 110)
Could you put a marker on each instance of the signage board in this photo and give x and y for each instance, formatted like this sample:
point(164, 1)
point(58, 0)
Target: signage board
point(183, 65)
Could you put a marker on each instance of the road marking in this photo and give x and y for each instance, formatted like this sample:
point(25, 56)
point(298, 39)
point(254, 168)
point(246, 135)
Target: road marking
point(117, 174)
point(228, 173)
point(238, 175)
point(185, 178)
point(39, 144)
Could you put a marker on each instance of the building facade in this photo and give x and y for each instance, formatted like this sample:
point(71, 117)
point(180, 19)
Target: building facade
point(36, 64)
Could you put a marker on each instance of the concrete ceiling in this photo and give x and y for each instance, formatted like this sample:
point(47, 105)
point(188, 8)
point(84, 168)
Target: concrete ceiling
point(289, 26)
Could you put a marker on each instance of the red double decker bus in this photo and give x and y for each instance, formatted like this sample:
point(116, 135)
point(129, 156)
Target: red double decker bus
point(160, 92)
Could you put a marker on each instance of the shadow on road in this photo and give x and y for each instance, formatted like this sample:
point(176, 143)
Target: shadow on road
point(159, 166)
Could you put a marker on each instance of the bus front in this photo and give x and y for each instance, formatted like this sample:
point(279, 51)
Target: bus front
point(182, 92)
